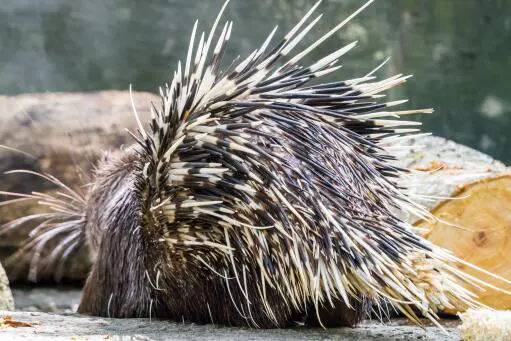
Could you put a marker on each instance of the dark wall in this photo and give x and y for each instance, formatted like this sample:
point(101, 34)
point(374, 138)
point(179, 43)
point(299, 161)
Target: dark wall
point(458, 50)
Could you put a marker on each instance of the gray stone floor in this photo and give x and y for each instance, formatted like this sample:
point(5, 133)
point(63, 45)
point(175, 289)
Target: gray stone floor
point(70, 326)
point(47, 299)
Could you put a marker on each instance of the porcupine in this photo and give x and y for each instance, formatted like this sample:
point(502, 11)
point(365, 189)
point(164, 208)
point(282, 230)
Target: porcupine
point(255, 197)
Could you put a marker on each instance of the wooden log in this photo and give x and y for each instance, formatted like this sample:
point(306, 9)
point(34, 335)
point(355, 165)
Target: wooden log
point(476, 223)
point(64, 133)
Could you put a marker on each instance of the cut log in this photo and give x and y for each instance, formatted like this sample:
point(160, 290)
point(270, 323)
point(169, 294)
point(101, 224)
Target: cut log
point(476, 223)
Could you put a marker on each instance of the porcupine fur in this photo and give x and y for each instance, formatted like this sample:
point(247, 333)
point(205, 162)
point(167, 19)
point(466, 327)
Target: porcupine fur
point(255, 198)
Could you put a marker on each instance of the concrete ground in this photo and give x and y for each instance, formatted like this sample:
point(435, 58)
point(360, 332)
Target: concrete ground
point(70, 326)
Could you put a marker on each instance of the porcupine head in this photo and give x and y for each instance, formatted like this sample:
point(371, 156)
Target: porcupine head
point(257, 195)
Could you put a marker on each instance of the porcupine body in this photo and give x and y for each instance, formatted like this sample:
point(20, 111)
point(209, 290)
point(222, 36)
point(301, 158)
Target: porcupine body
point(162, 280)
point(256, 197)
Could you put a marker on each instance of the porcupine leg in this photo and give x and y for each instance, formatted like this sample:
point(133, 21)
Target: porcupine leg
point(340, 316)
point(117, 285)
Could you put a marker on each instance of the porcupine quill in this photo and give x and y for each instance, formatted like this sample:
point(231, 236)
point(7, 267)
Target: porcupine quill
point(255, 198)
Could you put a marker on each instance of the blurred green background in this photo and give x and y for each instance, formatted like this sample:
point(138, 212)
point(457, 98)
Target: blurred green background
point(459, 51)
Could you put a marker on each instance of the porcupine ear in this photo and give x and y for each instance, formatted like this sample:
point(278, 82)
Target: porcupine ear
point(61, 227)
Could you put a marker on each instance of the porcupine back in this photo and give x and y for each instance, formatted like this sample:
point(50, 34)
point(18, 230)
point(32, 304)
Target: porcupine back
point(257, 197)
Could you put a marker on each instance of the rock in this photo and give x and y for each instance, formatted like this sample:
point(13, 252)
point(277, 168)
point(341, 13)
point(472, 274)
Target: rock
point(64, 133)
point(6, 300)
point(47, 299)
point(485, 324)
point(46, 326)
